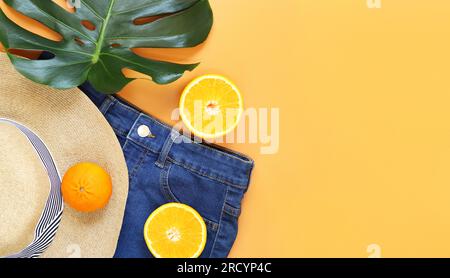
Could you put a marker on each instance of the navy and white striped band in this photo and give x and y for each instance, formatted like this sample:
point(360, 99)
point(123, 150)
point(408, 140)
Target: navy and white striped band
point(51, 216)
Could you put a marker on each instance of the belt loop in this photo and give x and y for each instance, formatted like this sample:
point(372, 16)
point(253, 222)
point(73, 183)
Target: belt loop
point(104, 107)
point(166, 149)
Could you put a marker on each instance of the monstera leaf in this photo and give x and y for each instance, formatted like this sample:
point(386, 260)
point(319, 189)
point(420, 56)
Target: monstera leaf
point(99, 36)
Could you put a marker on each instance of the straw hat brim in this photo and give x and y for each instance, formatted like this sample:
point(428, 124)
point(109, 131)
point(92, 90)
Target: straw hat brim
point(74, 131)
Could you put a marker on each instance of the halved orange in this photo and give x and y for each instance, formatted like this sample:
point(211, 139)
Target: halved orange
point(175, 231)
point(211, 106)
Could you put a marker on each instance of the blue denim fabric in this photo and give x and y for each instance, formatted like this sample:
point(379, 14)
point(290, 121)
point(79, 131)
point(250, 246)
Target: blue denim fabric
point(209, 179)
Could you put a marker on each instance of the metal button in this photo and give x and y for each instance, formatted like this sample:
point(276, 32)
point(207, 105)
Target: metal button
point(143, 131)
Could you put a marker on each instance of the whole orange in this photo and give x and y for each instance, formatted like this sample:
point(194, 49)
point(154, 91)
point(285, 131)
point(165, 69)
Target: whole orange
point(86, 187)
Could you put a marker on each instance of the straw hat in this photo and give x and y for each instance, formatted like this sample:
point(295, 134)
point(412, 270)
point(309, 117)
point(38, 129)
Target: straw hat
point(73, 130)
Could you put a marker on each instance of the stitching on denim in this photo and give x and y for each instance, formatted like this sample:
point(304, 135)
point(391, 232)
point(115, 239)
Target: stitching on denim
point(230, 214)
point(249, 175)
point(164, 184)
point(125, 145)
point(232, 211)
point(155, 121)
point(187, 167)
point(127, 107)
point(138, 165)
point(143, 146)
point(145, 116)
point(132, 129)
point(218, 179)
point(232, 155)
point(229, 155)
point(214, 226)
point(106, 104)
point(220, 223)
point(120, 132)
point(165, 152)
point(170, 196)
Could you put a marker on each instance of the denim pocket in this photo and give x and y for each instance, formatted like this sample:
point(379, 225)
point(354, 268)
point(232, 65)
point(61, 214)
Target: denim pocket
point(203, 194)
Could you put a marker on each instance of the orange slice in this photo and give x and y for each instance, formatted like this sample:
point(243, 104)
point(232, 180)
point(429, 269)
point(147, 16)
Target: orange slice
point(175, 231)
point(211, 106)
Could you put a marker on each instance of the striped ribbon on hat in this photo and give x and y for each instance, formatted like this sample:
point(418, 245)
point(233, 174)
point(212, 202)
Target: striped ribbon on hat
point(51, 216)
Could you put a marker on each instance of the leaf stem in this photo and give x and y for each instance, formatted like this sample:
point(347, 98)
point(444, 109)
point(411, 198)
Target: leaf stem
point(99, 46)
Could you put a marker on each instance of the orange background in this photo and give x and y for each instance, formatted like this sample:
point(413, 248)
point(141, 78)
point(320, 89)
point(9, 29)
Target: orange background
point(363, 167)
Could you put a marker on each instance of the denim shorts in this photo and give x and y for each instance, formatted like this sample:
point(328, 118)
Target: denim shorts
point(210, 179)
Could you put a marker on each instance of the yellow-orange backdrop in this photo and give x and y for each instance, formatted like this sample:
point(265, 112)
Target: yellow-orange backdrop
point(364, 161)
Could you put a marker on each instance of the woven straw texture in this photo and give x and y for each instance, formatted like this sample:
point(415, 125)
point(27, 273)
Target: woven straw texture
point(74, 131)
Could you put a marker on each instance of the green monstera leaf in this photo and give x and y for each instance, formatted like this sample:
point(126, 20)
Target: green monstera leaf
point(99, 51)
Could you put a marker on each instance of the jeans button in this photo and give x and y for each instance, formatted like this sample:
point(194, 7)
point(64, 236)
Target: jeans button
point(143, 131)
